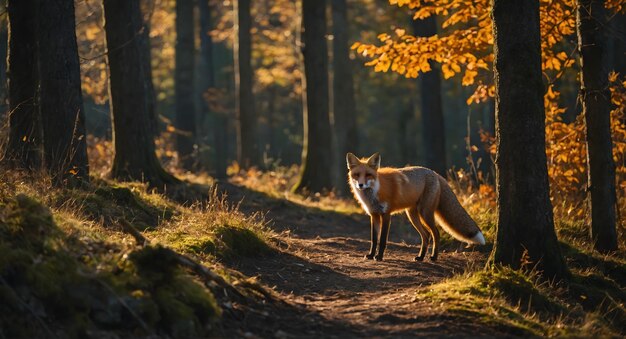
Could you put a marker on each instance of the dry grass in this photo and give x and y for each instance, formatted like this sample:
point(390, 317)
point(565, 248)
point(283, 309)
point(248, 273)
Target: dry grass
point(278, 183)
point(63, 250)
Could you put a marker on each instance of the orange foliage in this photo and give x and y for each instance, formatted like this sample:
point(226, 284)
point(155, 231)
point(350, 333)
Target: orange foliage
point(465, 45)
point(566, 149)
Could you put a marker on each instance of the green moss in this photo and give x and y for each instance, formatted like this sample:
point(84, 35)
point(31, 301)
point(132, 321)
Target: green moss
point(517, 288)
point(500, 298)
point(239, 241)
point(47, 289)
point(194, 244)
point(186, 309)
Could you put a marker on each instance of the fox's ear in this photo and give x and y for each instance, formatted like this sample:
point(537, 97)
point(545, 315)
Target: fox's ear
point(352, 160)
point(374, 161)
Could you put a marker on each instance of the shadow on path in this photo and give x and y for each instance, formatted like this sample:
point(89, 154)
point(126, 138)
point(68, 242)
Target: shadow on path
point(333, 291)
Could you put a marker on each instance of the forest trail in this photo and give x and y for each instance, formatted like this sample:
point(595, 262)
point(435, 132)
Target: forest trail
point(333, 291)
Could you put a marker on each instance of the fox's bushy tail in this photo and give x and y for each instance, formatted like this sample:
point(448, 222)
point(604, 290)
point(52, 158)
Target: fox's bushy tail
point(454, 219)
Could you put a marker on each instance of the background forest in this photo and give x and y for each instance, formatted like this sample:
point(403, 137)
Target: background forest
point(164, 161)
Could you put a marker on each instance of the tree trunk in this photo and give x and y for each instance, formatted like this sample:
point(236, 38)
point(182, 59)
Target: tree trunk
point(4, 47)
point(151, 100)
point(23, 149)
point(432, 112)
point(617, 43)
point(316, 168)
point(525, 231)
point(135, 157)
point(247, 150)
point(344, 106)
point(596, 104)
point(60, 95)
point(219, 121)
point(185, 63)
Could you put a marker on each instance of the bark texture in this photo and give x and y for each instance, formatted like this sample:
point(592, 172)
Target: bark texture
point(4, 48)
point(151, 100)
point(596, 104)
point(434, 140)
point(60, 95)
point(247, 149)
point(23, 149)
point(525, 222)
point(344, 106)
point(218, 120)
point(135, 157)
point(184, 83)
point(316, 154)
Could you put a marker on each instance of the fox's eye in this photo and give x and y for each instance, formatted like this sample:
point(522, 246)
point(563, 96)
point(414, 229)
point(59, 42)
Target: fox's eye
point(369, 176)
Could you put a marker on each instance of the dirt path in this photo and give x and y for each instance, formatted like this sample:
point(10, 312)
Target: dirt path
point(333, 292)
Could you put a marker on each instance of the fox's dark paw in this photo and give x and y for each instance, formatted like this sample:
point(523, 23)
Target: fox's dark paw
point(379, 257)
point(369, 256)
point(433, 257)
point(419, 258)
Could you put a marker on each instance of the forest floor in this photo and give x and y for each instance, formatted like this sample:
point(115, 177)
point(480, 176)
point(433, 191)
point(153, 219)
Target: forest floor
point(119, 260)
point(332, 291)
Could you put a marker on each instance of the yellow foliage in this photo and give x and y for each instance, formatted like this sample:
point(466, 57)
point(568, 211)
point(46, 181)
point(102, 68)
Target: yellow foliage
point(566, 149)
point(465, 44)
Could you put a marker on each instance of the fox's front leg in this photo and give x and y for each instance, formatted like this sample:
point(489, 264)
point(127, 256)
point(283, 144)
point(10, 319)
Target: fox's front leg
point(374, 222)
point(384, 233)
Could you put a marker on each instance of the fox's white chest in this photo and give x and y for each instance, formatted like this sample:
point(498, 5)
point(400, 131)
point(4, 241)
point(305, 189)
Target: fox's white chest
point(369, 199)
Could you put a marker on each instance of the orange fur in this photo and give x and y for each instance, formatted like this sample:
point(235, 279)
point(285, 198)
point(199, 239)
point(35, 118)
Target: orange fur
point(418, 191)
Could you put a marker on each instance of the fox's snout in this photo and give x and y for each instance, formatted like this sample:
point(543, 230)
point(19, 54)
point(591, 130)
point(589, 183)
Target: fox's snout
point(361, 183)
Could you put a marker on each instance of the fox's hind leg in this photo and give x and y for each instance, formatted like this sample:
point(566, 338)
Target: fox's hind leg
point(427, 209)
point(414, 218)
point(428, 218)
point(374, 222)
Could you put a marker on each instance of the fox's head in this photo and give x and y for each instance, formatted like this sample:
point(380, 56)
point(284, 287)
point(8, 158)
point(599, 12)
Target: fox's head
point(363, 173)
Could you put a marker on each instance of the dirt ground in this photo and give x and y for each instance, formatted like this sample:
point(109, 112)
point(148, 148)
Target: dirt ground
point(327, 288)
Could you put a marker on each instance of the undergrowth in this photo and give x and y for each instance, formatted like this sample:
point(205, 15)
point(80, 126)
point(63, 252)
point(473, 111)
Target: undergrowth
point(520, 303)
point(68, 270)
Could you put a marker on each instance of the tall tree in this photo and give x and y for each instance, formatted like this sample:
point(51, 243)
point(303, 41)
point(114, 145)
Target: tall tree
point(218, 120)
point(4, 47)
point(135, 157)
point(23, 147)
point(316, 167)
point(60, 95)
point(525, 231)
point(434, 136)
point(247, 150)
point(434, 140)
point(151, 100)
point(344, 106)
point(184, 82)
point(595, 97)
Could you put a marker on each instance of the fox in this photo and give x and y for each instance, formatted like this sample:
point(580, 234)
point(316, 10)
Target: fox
point(420, 192)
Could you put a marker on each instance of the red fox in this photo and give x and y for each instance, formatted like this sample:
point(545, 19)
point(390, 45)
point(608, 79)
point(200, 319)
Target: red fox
point(420, 192)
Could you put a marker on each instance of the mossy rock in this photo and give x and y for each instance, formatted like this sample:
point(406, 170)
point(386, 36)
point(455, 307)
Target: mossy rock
point(235, 241)
point(47, 290)
point(194, 244)
point(186, 308)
